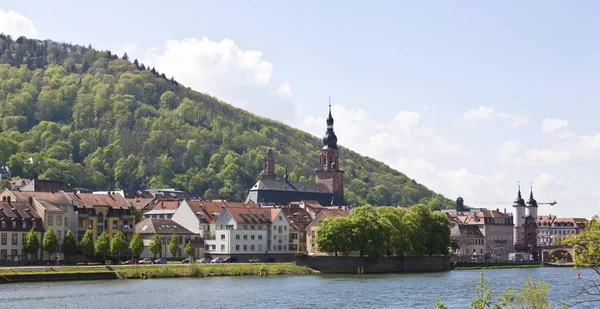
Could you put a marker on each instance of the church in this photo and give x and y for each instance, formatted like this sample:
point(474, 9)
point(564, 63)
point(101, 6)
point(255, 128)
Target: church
point(328, 188)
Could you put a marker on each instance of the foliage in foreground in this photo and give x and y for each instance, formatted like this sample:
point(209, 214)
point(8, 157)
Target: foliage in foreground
point(378, 231)
point(534, 295)
point(93, 119)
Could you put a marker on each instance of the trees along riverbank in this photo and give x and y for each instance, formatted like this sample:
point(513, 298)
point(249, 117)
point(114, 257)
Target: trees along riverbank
point(378, 231)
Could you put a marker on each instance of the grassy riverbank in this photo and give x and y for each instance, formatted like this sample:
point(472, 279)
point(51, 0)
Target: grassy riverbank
point(167, 271)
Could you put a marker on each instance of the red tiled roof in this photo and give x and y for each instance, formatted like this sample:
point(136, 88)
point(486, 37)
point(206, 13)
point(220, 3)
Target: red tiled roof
point(89, 200)
point(50, 197)
point(334, 213)
point(251, 215)
point(167, 205)
point(142, 203)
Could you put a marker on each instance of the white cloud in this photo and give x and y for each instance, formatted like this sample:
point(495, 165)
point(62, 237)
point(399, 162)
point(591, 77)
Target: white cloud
point(553, 125)
point(363, 134)
point(573, 199)
point(16, 25)
point(452, 182)
point(486, 113)
point(513, 153)
point(240, 77)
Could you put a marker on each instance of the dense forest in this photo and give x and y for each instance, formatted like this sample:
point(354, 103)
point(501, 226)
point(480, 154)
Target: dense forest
point(97, 120)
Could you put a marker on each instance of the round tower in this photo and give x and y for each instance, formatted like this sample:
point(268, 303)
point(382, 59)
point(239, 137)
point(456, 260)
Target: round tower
point(519, 206)
point(532, 206)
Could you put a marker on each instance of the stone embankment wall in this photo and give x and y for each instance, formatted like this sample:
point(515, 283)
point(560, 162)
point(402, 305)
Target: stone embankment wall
point(353, 265)
point(57, 277)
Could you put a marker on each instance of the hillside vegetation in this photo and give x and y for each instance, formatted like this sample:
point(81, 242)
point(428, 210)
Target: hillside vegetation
point(93, 119)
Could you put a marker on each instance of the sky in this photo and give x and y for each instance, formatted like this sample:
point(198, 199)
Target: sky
point(469, 98)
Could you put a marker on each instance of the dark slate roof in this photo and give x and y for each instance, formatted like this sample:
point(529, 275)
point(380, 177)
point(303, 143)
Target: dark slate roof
point(161, 226)
point(466, 230)
point(283, 185)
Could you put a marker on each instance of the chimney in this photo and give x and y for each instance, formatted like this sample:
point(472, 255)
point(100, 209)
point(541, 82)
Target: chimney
point(504, 210)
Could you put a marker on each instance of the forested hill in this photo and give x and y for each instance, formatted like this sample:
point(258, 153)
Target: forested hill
point(94, 119)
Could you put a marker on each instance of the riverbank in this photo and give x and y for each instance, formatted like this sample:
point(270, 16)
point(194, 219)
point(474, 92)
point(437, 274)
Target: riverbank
point(67, 273)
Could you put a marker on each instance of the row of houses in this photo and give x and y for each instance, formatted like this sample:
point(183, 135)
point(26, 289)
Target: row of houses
point(215, 228)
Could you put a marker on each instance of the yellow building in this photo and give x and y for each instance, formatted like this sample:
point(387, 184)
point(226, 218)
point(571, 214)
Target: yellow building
point(100, 213)
point(313, 228)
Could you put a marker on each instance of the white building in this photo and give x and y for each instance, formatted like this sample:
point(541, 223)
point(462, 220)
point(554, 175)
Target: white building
point(251, 232)
point(165, 228)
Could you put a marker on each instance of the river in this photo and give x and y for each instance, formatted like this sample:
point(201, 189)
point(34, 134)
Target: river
point(313, 291)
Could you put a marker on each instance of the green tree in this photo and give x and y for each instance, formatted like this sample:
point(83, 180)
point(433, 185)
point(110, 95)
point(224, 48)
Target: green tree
point(335, 235)
point(118, 244)
point(69, 244)
point(367, 231)
point(189, 249)
point(173, 244)
point(32, 244)
point(103, 245)
point(87, 244)
point(50, 242)
point(155, 246)
point(136, 245)
point(396, 230)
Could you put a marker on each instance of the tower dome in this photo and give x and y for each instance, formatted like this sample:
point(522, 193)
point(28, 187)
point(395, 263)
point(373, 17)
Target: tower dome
point(330, 140)
point(519, 201)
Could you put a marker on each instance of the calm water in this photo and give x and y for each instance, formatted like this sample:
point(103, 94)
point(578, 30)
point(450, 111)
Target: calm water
point(322, 291)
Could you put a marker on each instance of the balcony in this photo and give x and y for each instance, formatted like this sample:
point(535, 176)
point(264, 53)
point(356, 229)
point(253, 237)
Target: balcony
point(81, 228)
point(210, 237)
point(126, 228)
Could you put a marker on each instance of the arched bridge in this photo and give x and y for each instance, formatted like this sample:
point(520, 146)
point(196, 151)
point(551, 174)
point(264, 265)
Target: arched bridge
point(557, 253)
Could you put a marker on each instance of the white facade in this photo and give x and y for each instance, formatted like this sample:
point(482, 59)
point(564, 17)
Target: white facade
point(532, 211)
point(11, 244)
point(519, 218)
point(195, 222)
point(280, 233)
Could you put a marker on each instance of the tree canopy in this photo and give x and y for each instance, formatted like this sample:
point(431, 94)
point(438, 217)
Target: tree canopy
point(155, 246)
point(136, 245)
point(50, 242)
point(173, 244)
point(95, 120)
point(385, 230)
point(103, 245)
point(87, 244)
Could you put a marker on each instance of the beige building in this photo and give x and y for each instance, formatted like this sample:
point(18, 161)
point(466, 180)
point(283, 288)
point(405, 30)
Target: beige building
point(165, 228)
point(16, 220)
point(313, 228)
point(470, 240)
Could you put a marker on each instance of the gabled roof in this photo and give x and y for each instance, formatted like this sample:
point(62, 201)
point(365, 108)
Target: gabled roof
point(251, 215)
point(167, 205)
point(299, 218)
point(47, 206)
point(208, 208)
point(161, 226)
point(50, 197)
point(89, 200)
point(466, 230)
point(290, 186)
point(17, 210)
point(334, 213)
point(142, 203)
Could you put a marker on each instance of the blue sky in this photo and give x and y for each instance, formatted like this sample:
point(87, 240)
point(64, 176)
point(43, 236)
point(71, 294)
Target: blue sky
point(466, 97)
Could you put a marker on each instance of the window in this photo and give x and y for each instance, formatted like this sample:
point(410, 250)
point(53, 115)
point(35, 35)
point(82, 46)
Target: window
point(58, 220)
point(66, 220)
point(3, 254)
point(245, 226)
point(237, 236)
point(252, 226)
point(252, 237)
point(222, 236)
point(14, 252)
point(259, 247)
point(274, 227)
point(60, 235)
point(279, 229)
point(3, 224)
point(115, 224)
point(279, 218)
point(15, 238)
point(285, 227)
point(260, 226)
point(24, 224)
point(3, 239)
point(278, 247)
point(229, 226)
point(237, 247)
point(49, 219)
point(274, 237)
point(245, 237)
point(24, 238)
point(284, 247)
point(222, 247)
point(251, 247)
point(33, 224)
point(260, 237)
point(245, 247)
point(14, 224)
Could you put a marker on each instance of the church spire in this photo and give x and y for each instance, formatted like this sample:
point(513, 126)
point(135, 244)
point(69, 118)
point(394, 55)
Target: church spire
point(330, 140)
point(519, 202)
point(531, 202)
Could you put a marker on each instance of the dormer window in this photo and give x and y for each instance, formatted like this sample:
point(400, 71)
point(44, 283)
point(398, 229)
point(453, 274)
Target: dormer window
point(24, 224)
point(14, 224)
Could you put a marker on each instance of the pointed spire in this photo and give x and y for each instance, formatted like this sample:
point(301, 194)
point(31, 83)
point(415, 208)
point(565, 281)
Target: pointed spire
point(532, 202)
point(519, 202)
point(329, 118)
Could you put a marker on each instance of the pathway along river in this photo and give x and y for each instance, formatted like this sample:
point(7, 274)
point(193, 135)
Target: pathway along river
point(312, 291)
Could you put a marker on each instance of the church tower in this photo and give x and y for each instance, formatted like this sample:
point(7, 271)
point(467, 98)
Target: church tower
point(269, 166)
point(329, 172)
point(532, 206)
